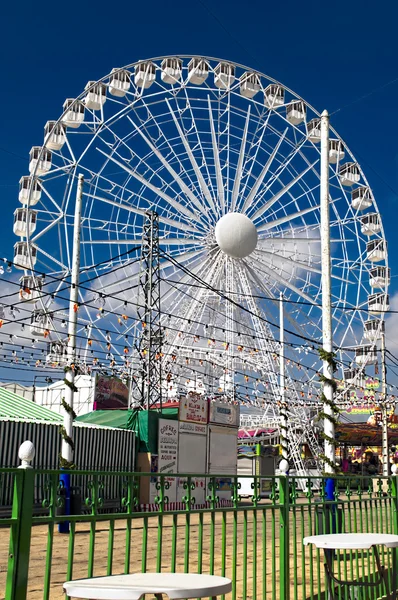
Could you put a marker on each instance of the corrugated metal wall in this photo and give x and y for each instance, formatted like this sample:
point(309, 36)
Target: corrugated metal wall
point(101, 450)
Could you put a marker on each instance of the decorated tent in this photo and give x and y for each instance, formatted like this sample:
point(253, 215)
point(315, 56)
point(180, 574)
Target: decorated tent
point(144, 423)
point(359, 434)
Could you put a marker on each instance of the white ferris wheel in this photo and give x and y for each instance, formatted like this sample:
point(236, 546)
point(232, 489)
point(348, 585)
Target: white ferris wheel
point(229, 159)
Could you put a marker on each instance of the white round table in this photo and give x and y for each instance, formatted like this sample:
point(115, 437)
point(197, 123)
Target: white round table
point(134, 586)
point(358, 541)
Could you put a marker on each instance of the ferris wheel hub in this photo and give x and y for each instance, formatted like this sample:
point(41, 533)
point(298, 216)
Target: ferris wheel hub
point(236, 235)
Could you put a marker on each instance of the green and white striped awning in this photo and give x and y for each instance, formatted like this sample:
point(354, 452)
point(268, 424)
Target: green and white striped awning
point(14, 407)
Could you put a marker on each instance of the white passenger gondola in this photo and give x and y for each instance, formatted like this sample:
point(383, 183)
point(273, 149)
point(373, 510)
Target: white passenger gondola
point(29, 190)
point(30, 288)
point(25, 255)
point(24, 222)
point(336, 151)
point(376, 250)
point(57, 353)
point(379, 277)
point(119, 82)
point(378, 303)
point(54, 135)
point(365, 355)
point(349, 174)
point(144, 74)
point(39, 160)
point(40, 323)
point(96, 95)
point(314, 130)
point(274, 96)
point(373, 329)
point(198, 71)
point(296, 112)
point(361, 198)
point(370, 224)
point(250, 84)
point(171, 389)
point(73, 113)
point(171, 70)
point(353, 377)
point(224, 75)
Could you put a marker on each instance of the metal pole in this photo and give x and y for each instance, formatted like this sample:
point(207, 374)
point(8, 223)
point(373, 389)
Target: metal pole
point(326, 291)
point(66, 450)
point(284, 440)
point(384, 406)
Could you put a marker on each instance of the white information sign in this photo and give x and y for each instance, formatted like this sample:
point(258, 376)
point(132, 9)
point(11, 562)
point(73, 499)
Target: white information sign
point(195, 428)
point(168, 454)
point(224, 414)
point(194, 409)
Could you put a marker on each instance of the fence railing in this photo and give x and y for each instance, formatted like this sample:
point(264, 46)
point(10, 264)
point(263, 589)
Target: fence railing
point(257, 541)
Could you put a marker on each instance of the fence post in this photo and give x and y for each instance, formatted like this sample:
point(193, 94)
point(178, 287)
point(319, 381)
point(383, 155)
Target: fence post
point(19, 550)
point(284, 552)
point(394, 495)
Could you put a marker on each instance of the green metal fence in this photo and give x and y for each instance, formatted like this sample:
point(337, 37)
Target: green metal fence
point(257, 542)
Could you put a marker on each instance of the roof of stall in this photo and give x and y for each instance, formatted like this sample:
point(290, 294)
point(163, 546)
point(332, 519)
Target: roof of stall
point(17, 408)
point(119, 419)
point(14, 407)
point(145, 423)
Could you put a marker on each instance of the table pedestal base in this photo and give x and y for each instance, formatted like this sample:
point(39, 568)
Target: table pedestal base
point(382, 576)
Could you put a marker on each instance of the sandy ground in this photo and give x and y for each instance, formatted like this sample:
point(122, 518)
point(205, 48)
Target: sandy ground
point(263, 552)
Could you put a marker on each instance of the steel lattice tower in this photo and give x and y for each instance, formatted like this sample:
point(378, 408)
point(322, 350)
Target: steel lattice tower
point(149, 380)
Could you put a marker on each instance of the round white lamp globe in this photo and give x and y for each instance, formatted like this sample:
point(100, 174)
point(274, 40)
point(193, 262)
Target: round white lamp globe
point(26, 453)
point(283, 467)
point(236, 235)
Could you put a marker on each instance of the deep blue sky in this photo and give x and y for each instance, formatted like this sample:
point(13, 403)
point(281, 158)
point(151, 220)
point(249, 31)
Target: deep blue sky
point(330, 53)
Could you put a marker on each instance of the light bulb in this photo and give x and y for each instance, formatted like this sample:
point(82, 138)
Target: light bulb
point(9, 267)
point(63, 324)
point(1, 270)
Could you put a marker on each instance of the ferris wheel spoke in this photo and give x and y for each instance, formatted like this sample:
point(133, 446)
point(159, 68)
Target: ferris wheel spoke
point(202, 183)
point(284, 281)
point(178, 207)
point(283, 166)
point(296, 263)
point(294, 240)
point(239, 166)
point(142, 212)
point(194, 307)
point(42, 232)
point(257, 184)
point(179, 295)
point(53, 259)
point(164, 241)
point(286, 219)
point(183, 186)
point(217, 164)
point(279, 194)
point(260, 283)
point(171, 149)
point(253, 151)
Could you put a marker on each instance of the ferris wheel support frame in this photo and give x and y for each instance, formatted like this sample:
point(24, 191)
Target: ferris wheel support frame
point(150, 343)
point(327, 331)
